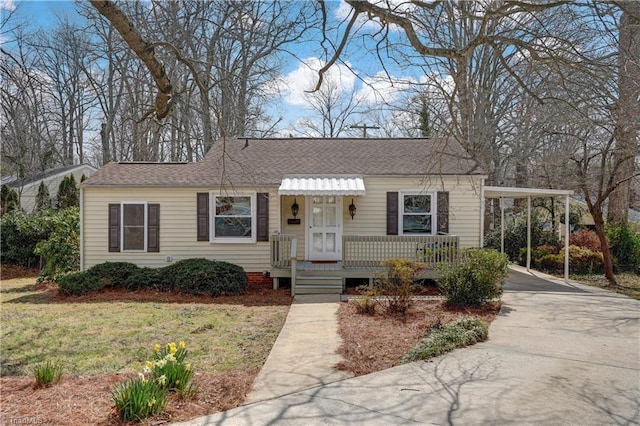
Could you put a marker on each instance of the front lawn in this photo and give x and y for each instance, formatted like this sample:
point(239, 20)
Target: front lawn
point(104, 338)
point(627, 283)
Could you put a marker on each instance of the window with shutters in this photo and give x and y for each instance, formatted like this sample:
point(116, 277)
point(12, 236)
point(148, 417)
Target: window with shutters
point(134, 226)
point(234, 218)
point(417, 213)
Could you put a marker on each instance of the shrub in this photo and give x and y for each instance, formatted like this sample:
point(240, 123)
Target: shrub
point(586, 239)
point(68, 193)
point(394, 286)
point(444, 339)
point(47, 373)
point(79, 283)
point(202, 276)
point(113, 273)
point(144, 278)
point(515, 237)
point(61, 250)
point(366, 304)
point(581, 261)
point(625, 247)
point(139, 398)
point(43, 199)
point(20, 234)
point(475, 278)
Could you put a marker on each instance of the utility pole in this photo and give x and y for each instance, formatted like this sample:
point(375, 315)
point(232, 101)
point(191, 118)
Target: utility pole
point(364, 128)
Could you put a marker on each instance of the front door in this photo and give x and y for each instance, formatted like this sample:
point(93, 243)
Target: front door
point(324, 233)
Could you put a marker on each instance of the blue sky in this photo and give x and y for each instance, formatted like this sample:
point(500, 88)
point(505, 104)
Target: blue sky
point(371, 84)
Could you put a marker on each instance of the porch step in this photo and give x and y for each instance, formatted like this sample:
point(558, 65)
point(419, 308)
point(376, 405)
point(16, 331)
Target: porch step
point(318, 284)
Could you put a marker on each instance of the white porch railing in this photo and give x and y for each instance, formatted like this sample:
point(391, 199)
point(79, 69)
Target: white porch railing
point(281, 250)
point(369, 251)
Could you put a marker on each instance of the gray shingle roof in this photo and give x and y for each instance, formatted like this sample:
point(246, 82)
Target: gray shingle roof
point(263, 162)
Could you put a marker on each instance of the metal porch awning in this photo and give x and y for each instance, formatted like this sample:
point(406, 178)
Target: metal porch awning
point(322, 185)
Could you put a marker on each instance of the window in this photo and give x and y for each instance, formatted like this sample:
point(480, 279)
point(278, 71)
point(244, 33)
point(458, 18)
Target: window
point(234, 218)
point(416, 214)
point(134, 225)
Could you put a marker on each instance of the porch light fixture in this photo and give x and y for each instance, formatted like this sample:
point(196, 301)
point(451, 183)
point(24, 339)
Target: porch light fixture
point(295, 208)
point(352, 209)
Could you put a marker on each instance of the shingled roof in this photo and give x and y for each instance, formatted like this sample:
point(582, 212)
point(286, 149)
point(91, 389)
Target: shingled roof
point(263, 162)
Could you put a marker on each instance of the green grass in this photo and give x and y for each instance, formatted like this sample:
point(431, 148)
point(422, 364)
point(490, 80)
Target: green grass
point(105, 338)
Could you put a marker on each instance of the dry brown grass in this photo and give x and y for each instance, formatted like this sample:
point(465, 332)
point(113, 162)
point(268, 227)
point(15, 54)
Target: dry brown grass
point(372, 343)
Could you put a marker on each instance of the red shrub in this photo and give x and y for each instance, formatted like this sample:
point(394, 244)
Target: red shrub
point(585, 239)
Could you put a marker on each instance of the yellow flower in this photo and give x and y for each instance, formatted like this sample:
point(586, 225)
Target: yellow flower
point(151, 402)
point(156, 348)
point(173, 349)
point(182, 345)
point(188, 367)
point(149, 364)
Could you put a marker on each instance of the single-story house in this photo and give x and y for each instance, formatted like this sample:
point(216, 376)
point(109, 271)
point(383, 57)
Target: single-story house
point(315, 211)
point(28, 188)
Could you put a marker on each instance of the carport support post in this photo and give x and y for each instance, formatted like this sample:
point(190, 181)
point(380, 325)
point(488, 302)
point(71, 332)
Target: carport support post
point(501, 225)
point(528, 233)
point(566, 239)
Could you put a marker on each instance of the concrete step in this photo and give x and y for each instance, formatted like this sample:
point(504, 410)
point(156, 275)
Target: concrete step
point(310, 284)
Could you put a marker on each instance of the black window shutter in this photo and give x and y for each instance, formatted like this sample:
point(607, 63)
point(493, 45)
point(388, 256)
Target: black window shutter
point(114, 227)
point(203, 216)
point(153, 227)
point(443, 212)
point(262, 232)
point(392, 213)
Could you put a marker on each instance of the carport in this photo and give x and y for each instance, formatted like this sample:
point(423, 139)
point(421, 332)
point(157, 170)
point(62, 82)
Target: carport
point(511, 192)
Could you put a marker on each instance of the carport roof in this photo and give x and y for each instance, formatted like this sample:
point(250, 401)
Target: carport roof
point(512, 192)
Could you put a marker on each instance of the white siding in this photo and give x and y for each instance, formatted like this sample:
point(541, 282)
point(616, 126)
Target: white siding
point(371, 213)
point(464, 205)
point(177, 229)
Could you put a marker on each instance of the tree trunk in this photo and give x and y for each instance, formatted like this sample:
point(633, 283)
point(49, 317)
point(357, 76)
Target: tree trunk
point(598, 220)
point(627, 112)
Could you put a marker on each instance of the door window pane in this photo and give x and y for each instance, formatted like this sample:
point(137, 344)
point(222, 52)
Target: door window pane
point(317, 242)
point(331, 242)
point(330, 219)
point(317, 216)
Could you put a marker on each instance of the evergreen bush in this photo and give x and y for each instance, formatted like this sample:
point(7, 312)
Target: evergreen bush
point(203, 276)
point(113, 273)
point(78, 283)
point(475, 278)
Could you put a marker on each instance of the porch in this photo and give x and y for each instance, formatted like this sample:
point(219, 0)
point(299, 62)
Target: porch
point(361, 258)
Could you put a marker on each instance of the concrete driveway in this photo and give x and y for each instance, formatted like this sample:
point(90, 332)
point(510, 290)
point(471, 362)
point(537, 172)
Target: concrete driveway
point(558, 354)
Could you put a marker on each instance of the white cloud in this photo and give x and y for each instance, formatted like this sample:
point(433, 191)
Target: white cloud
point(8, 5)
point(303, 79)
point(382, 89)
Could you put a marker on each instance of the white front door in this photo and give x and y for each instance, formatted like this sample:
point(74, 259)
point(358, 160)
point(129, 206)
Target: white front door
point(324, 232)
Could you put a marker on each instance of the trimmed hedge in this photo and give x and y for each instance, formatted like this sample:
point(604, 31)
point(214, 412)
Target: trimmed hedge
point(79, 283)
point(189, 276)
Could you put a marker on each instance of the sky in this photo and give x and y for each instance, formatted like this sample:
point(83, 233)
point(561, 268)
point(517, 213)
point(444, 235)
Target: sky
point(371, 85)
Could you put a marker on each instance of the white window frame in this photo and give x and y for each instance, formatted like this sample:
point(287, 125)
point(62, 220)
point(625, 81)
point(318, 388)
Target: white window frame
point(212, 219)
point(434, 210)
point(146, 223)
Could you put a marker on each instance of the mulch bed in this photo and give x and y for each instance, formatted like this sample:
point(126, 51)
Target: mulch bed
point(372, 343)
point(87, 400)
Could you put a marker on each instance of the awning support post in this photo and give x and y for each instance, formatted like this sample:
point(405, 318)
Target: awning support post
point(501, 225)
point(566, 239)
point(528, 233)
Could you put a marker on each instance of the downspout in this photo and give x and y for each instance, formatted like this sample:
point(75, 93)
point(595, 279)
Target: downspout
point(482, 208)
point(528, 233)
point(566, 239)
point(501, 225)
point(81, 228)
